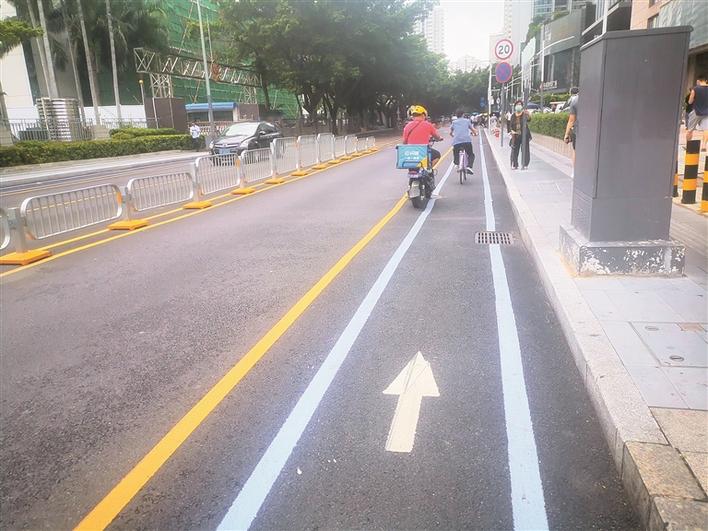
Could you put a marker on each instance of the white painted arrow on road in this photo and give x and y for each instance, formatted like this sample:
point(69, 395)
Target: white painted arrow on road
point(415, 381)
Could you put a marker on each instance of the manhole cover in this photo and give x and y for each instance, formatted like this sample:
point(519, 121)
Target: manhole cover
point(493, 238)
point(676, 357)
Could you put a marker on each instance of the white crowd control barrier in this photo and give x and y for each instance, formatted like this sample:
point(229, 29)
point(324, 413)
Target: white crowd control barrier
point(350, 144)
point(325, 147)
point(307, 147)
point(54, 214)
point(215, 173)
point(50, 215)
point(157, 191)
point(285, 155)
point(361, 144)
point(256, 165)
point(340, 146)
point(4, 230)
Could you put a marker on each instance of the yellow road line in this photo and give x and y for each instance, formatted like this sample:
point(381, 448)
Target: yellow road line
point(148, 227)
point(126, 489)
point(108, 508)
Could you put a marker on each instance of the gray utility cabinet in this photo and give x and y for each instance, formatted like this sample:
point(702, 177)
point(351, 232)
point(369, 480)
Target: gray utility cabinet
point(628, 124)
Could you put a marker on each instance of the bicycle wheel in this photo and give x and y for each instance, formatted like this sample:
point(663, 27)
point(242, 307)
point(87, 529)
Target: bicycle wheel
point(463, 165)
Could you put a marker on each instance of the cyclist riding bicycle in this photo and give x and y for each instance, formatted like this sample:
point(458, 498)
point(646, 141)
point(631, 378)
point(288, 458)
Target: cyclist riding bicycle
point(420, 131)
point(462, 140)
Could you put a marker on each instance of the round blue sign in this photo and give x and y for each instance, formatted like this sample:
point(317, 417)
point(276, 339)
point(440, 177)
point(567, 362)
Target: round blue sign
point(503, 72)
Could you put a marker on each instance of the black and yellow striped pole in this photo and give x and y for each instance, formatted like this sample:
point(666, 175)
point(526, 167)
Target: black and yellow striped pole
point(675, 192)
point(704, 194)
point(690, 172)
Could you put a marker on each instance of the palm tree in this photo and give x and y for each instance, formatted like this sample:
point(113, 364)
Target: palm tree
point(53, 91)
point(89, 63)
point(114, 68)
point(72, 55)
point(12, 33)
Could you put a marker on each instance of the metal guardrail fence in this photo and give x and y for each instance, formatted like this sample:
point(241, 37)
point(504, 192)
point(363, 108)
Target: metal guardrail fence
point(285, 155)
point(157, 191)
point(23, 130)
point(45, 216)
point(215, 173)
point(54, 214)
point(350, 144)
point(4, 230)
point(307, 148)
point(340, 146)
point(325, 147)
point(256, 165)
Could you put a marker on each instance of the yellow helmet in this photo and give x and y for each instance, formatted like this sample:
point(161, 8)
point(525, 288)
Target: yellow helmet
point(417, 109)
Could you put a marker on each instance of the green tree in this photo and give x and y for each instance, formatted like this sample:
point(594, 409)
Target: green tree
point(13, 32)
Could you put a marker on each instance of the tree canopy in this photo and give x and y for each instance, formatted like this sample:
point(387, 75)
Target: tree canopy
point(13, 32)
point(358, 56)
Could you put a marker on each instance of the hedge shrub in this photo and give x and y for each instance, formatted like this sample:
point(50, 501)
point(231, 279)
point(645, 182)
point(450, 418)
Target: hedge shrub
point(37, 152)
point(549, 124)
point(135, 132)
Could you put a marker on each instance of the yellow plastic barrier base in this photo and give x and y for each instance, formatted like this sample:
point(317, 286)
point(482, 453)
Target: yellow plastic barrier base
point(197, 205)
point(243, 191)
point(346, 157)
point(25, 258)
point(128, 224)
point(334, 162)
point(320, 166)
point(275, 180)
point(704, 205)
point(300, 173)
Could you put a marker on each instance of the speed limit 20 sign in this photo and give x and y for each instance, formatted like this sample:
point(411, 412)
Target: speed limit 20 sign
point(503, 49)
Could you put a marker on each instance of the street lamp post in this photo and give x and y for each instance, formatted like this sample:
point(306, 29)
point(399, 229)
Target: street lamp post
point(206, 76)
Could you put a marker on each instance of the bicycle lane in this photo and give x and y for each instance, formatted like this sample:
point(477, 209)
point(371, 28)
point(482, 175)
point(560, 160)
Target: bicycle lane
point(441, 301)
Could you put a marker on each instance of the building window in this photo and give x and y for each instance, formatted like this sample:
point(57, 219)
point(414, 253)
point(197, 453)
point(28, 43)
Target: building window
point(651, 23)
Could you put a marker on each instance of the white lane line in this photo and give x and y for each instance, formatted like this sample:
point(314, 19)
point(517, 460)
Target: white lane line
point(528, 504)
point(251, 497)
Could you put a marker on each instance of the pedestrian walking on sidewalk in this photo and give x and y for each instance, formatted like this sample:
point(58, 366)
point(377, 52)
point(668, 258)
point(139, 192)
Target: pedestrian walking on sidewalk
point(698, 117)
point(571, 128)
point(196, 133)
point(518, 126)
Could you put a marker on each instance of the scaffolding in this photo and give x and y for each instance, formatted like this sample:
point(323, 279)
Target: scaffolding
point(179, 74)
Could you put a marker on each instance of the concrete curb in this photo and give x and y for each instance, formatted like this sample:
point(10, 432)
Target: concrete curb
point(660, 485)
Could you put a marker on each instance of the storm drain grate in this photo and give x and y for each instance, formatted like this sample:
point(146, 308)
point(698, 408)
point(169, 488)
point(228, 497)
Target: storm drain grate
point(493, 238)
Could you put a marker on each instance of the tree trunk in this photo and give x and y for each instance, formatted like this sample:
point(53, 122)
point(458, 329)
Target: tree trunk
point(264, 85)
point(40, 49)
point(53, 91)
point(72, 57)
point(89, 64)
point(116, 92)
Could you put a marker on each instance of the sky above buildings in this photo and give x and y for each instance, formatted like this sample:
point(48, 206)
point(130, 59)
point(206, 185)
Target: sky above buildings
point(468, 25)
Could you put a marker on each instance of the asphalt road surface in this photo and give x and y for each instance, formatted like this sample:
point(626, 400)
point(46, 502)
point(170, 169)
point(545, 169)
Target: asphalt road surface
point(257, 365)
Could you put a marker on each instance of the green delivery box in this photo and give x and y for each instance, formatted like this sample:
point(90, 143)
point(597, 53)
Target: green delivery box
point(409, 156)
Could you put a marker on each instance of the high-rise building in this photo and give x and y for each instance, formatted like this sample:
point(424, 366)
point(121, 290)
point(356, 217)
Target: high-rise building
point(433, 29)
point(648, 14)
point(548, 7)
point(508, 18)
point(466, 63)
point(517, 17)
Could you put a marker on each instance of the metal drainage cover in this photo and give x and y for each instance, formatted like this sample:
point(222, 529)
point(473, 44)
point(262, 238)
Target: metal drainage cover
point(493, 238)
